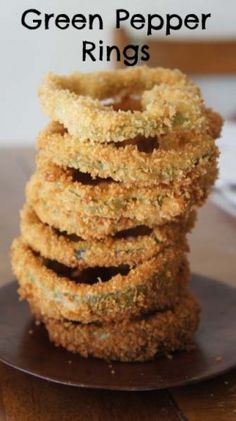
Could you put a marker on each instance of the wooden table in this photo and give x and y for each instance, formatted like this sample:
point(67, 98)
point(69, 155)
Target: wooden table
point(23, 398)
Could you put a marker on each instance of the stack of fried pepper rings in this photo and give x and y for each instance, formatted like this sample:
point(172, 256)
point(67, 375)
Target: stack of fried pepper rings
point(121, 168)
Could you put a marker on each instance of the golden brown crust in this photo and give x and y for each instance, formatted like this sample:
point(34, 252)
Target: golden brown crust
point(139, 340)
point(128, 157)
point(169, 101)
point(154, 284)
point(58, 190)
point(132, 249)
point(175, 157)
point(215, 123)
point(82, 225)
point(63, 202)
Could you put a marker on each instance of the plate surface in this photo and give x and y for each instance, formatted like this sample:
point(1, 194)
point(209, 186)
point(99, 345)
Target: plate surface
point(26, 347)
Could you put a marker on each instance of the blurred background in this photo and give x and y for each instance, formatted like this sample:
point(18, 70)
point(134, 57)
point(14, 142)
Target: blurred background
point(26, 56)
point(209, 57)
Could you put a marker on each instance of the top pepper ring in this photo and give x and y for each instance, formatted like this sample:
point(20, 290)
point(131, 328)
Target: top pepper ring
point(146, 102)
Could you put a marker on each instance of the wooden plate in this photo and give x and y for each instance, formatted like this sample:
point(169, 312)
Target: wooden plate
point(26, 347)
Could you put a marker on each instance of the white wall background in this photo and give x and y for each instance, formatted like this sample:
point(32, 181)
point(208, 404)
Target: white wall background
point(27, 55)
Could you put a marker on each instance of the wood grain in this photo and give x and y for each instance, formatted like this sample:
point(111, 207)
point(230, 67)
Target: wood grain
point(24, 398)
point(194, 57)
point(213, 400)
point(208, 57)
point(27, 398)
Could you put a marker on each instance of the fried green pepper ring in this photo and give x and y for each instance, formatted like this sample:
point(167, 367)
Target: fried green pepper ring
point(149, 162)
point(82, 225)
point(168, 101)
point(135, 247)
point(99, 294)
point(57, 191)
point(137, 340)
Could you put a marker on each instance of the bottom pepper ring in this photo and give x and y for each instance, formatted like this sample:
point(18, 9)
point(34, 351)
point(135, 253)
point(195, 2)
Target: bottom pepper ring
point(136, 340)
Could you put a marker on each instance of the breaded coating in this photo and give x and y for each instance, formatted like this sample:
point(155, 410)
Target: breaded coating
point(127, 158)
point(135, 340)
point(99, 214)
point(168, 102)
point(164, 161)
point(95, 295)
point(56, 187)
point(82, 225)
point(130, 248)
